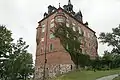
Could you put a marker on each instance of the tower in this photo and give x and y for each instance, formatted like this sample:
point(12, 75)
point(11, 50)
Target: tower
point(69, 7)
point(79, 16)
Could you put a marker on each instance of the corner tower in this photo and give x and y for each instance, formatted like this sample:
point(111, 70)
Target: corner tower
point(51, 58)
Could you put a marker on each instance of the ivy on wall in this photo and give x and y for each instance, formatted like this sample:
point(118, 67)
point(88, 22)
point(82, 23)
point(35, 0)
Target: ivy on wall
point(72, 41)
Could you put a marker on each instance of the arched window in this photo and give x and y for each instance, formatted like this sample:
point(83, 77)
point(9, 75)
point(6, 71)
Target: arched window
point(80, 31)
point(51, 47)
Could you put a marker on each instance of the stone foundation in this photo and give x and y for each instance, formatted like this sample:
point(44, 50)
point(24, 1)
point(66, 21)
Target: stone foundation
point(53, 70)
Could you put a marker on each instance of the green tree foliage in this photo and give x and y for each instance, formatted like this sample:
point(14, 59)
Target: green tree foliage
point(112, 59)
point(112, 39)
point(107, 59)
point(21, 63)
point(5, 47)
point(18, 64)
point(71, 41)
point(96, 63)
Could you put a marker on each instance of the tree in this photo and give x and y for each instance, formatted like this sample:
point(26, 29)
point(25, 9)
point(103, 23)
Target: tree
point(71, 41)
point(96, 63)
point(107, 58)
point(15, 61)
point(5, 48)
point(84, 60)
point(112, 39)
point(20, 62)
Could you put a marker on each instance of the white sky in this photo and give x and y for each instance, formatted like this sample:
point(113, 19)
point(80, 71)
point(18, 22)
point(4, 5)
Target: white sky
point(21, 16)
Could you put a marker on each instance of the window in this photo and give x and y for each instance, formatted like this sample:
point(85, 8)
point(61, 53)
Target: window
point(52, 36)
point(52, 20)
point(51, 25)
point(84, 33)
point(66, 46)
point(67, 20)
point(67, 25)
point(67, 35)
point(43, 29)
point(74, 28)
point(88, 35)
point(42, 39)
point(79, 30)
point(51, 47)
point(60, 20)
point(73, 24)
point(43, 25)
point(41, 49)
point(74, 38)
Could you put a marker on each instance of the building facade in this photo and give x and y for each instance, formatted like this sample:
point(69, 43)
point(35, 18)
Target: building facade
point(50, 51)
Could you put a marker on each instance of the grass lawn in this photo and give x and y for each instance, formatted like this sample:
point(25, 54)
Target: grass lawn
point(86, 75)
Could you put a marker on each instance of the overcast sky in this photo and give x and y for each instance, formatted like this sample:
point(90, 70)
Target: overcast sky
point(21, 16)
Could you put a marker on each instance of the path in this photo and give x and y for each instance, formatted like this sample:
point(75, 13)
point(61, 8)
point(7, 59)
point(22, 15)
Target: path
point(108, 77)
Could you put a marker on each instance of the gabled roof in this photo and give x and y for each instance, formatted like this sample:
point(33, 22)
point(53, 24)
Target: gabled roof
point(68, 14)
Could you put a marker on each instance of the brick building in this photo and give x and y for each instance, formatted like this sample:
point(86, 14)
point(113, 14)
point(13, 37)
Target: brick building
point(49, 44)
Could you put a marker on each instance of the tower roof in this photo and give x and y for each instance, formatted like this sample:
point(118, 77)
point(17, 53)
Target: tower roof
point(80, 13)
point(66, 13)
point(69, 2)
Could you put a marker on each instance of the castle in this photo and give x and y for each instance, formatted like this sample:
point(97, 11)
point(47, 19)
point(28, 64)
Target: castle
point(49, 50)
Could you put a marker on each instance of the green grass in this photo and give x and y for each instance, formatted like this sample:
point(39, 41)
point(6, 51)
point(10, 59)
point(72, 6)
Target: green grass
point(86, 75)
point(117, 78)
